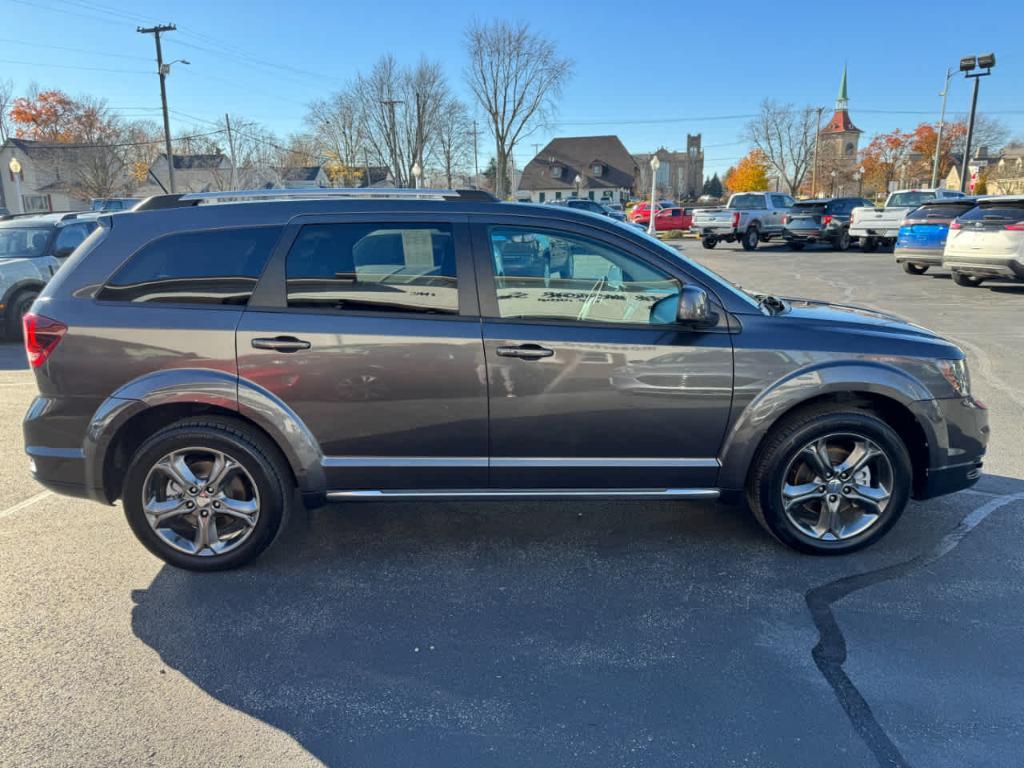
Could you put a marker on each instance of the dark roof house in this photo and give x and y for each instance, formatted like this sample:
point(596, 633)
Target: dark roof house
point(601, 162)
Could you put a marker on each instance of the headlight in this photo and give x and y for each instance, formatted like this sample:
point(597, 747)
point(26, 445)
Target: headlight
point(956, 373)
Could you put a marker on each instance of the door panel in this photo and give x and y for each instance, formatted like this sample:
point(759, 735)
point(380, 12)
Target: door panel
point(592, 383)
point(370, 339)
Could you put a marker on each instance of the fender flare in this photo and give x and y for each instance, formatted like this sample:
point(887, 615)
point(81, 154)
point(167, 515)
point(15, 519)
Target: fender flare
point(759, 417)
point(205, 387)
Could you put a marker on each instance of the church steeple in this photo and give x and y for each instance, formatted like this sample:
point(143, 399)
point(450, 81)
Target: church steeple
point(842, 102)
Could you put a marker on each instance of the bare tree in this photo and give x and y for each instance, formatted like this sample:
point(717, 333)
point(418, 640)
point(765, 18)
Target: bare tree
point(786, 136)
point(989, 132)
point(6, 97)
point(515, 76)
point(339, 133)
point(453, 148)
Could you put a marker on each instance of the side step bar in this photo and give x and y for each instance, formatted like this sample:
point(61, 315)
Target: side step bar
point(531, 493)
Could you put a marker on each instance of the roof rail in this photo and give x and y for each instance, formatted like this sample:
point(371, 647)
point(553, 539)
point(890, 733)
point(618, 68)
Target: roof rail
point(309, 193)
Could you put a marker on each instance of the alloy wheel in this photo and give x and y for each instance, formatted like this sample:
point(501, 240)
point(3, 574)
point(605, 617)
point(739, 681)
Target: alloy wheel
point(200, 501)
point(837, 487)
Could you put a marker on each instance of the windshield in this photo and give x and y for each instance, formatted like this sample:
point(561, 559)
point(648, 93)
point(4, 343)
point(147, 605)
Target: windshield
point(908, 199)
point(21, 242)
point(747, 202)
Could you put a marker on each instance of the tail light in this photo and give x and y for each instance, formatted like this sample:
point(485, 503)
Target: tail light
point(955, 225)
point(785, 220)
point(1018, 227)
point(42, 335)
point(826, 219)
point(735, 219)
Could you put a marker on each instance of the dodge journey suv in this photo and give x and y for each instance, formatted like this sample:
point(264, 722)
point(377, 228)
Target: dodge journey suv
point(210, 359)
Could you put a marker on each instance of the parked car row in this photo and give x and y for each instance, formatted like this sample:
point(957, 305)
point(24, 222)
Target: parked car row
point(976, 238)
point(879, 227)
point(748, 218)
point(32, 248)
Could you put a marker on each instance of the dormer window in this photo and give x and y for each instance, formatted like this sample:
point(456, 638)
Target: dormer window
point(556, 171)
point(597, 169)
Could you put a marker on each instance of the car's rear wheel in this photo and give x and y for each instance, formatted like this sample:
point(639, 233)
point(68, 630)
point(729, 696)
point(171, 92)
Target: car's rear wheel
point(16, 310)
point(750, 239)
point(794, 246)
point(206, 494)
point(914, 269)
point(708, 242)
point(967, 281)
point(842, 243)
point(830, 481)
point(868, 244)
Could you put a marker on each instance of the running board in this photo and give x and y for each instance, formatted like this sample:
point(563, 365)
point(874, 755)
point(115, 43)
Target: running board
point(532, 493)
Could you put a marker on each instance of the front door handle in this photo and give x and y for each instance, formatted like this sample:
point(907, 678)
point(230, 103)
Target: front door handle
point(281, 344)
point(526, 352)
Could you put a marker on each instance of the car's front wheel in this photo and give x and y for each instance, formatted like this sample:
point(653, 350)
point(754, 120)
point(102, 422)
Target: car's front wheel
point(206, 494)
point(914, 269)
point(16, 311)
point(708, 242)
point(795, 246)
point(842, 243)
point(830, 481)
point(966, 281)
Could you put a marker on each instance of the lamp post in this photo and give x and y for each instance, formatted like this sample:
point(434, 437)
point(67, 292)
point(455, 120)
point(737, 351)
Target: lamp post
point(577, 181)
point(942, 124)
point(416, 173)
point(833, 175)
point(15, 168)
point(858, 176)
point(655, 164)
point(967, 65)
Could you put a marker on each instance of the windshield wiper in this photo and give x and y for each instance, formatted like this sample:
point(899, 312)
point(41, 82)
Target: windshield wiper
point(770, 303)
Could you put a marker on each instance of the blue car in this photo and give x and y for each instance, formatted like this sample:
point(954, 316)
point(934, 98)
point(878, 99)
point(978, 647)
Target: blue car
point(922, 235)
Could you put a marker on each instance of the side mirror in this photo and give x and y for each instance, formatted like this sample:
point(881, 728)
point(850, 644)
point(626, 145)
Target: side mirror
point(695, 308)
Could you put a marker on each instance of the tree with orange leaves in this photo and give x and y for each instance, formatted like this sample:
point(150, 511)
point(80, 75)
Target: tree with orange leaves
point(884, 158)
point(48, 116)
point(750, 174)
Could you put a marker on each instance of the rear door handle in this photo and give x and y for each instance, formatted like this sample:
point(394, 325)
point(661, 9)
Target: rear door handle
point(281, 344)
point(526, 352)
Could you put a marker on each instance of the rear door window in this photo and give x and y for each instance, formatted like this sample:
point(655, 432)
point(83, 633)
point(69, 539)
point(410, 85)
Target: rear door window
point(374, 267)
point(212, 267)
point(995, 214)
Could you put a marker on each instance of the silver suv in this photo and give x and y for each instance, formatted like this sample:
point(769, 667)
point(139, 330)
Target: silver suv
point(209, 363)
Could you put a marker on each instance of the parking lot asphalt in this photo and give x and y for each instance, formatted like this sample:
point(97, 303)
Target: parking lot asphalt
point(561, 634)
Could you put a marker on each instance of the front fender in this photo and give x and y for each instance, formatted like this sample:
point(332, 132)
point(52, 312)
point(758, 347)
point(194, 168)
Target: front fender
point(758, 416)
point(205, 387)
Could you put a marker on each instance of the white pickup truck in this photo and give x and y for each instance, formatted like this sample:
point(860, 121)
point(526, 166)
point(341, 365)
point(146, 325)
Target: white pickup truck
point(748, 217)
point(879, 226)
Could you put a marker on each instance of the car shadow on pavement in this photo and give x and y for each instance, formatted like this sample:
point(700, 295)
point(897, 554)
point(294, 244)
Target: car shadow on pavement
point(547, 633)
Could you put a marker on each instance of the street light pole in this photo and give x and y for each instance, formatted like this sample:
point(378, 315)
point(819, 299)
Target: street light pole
point(162, 71)
point(577, 182)
point(967, 65)
point(15, 168)
point(942, 125)
point(655, 164)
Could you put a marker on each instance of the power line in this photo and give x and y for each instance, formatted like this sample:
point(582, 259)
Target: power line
point(62, 146)
point(35, 45)
point(75, 66)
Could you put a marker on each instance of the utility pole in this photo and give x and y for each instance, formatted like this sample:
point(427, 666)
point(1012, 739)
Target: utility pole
point(390, 104)
point(476, 160)
point(942, 124)
point(967, 65)
point(231, 148)
point(162, 71)
point(814, 172)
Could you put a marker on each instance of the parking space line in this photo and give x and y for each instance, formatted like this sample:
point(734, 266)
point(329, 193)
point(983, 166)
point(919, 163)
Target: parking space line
point(25, 503)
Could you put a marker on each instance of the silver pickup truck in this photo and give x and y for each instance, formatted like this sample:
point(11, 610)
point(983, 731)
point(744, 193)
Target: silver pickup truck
point(748, 217)
point(879, 226)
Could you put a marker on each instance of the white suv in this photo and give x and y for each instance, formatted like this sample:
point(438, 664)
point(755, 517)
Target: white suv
point(987, 242)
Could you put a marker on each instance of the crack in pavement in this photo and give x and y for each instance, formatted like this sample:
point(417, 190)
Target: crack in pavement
point(830, 652)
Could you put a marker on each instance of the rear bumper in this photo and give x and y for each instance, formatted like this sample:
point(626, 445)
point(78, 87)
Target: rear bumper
point(960, 431)
point(914, 256)
point(881, 232)
point(986, 266)
point(52, 427)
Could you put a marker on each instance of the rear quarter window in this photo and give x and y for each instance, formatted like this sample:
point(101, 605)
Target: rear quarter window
point(209, 267)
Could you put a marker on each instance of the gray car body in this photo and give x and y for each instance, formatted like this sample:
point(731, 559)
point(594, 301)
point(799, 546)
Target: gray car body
point(387, 405)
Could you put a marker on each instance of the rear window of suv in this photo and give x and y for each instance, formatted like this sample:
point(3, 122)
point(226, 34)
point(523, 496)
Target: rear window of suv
point(218, 266)
point(946, 210)
point(998, 213)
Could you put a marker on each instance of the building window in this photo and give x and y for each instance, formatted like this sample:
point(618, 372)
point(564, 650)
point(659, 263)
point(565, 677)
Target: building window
point(597, 169)
point(849, 148)
point(540, 197)
point(556, 171)
point(558, 195)
point(590, 194)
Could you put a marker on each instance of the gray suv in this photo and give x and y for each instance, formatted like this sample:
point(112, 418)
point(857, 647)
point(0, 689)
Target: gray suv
point(211, 359)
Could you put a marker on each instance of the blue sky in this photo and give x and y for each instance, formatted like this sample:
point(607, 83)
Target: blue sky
point(647, 75)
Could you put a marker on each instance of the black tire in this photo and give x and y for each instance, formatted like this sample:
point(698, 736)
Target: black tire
point(966, 281)
point(766, 478)
point(258, 456)
point(708, 242)
point(16, 310)
point(793, 246)
point(750, 238)
point(868, 244)
point(842, 243)
point(914, 269)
